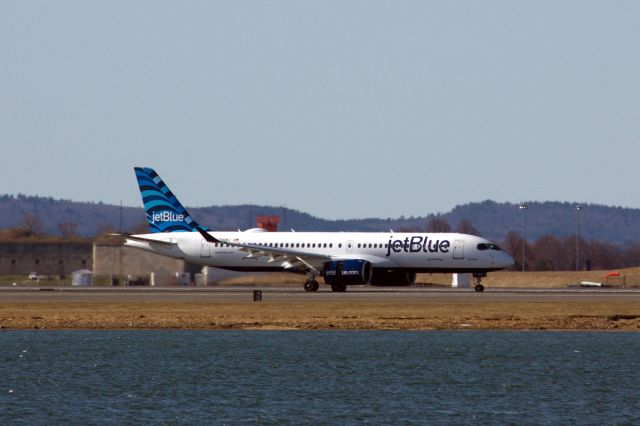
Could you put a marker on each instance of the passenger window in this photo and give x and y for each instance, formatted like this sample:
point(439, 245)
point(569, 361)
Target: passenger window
point(340, 245)
point(330, 245)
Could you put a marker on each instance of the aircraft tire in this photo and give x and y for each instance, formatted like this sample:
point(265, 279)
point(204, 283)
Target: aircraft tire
point(338, 287)
point(311, 286)
point(479, 288)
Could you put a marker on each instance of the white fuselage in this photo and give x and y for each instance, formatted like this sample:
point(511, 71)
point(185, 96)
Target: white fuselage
point(417, 252)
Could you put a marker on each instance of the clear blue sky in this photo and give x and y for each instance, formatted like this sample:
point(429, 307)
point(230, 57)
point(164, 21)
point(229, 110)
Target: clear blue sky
point(343, 109)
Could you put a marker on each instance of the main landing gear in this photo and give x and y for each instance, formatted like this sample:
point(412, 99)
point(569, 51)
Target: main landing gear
point(478, 276)
point(338, 287)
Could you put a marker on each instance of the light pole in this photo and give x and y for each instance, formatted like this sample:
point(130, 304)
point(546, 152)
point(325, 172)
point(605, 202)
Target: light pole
point(578, 208)
point(524, 207)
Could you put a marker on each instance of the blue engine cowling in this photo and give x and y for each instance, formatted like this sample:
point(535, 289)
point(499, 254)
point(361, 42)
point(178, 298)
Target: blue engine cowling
point(347, 272)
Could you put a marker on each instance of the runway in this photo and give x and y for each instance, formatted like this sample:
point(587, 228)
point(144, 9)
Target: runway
point(294, 294)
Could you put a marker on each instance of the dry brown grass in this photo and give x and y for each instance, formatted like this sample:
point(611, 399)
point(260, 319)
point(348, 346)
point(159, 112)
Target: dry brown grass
point(323, 315)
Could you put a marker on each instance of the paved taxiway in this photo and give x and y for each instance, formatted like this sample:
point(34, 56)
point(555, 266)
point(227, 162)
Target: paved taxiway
point(292, 294)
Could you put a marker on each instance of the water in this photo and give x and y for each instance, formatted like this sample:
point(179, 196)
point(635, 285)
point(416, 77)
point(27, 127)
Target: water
point(318, 377)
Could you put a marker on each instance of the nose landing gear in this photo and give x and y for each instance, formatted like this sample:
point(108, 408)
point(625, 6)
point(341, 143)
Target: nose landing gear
point(311, 285)
point(478, 276)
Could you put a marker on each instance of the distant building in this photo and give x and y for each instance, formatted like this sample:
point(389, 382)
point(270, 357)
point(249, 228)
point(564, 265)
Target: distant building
point(55, 257)
point(115, 259)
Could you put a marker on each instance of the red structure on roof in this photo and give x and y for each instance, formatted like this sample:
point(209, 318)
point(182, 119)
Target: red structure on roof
point(270, 223)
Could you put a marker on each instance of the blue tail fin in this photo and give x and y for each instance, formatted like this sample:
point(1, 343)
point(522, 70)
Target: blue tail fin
point(164, 211)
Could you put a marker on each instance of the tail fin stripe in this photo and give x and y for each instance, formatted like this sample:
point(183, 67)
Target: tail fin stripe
point(152, 205)
point(148, 196)
point(154, 195)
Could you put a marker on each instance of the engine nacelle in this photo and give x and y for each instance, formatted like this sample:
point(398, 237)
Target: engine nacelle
point(392, 278)
point(347, 272)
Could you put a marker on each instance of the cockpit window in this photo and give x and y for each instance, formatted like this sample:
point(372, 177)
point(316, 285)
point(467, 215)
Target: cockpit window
point(488, 246)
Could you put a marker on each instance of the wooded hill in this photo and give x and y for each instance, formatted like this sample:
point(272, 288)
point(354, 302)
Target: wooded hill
point(491, 219)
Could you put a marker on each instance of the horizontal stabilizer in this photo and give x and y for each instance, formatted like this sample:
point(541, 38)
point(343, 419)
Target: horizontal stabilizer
point(144, 240)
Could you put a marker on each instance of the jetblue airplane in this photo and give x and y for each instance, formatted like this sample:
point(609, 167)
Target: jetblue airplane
point(341, 258)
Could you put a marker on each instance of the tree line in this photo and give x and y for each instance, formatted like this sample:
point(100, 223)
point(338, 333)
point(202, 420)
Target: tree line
point(30, 226)
point(549, 253)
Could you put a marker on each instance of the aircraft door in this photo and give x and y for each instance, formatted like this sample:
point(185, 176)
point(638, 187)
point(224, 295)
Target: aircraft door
point(349, 246)
point(458, 249)
point(205, 249)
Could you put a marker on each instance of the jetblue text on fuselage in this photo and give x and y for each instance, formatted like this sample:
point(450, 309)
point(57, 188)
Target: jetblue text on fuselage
point(166, 216)
point(416, 244)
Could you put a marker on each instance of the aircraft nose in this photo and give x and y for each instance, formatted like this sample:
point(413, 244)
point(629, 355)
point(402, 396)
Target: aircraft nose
point(503, 260)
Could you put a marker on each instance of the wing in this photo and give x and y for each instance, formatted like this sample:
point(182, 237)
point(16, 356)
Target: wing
point(288, 258)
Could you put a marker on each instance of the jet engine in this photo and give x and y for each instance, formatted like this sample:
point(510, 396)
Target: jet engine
point(347, 272)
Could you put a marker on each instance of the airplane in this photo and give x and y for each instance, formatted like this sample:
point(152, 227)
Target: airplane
point(341, 258)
